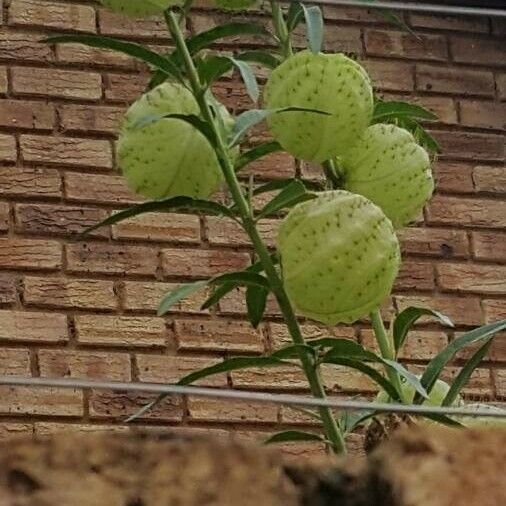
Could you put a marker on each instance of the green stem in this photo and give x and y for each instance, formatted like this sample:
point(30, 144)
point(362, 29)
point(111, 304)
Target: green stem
point(386, 349)
point(330, 425)
point(281, 30)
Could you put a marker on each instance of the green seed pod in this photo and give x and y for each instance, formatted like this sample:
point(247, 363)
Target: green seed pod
point(235, 5)
point(139, 8)
point(168, 157)
point(387, 166)
point(332, 83)
point(339, 255)
point(436, 395)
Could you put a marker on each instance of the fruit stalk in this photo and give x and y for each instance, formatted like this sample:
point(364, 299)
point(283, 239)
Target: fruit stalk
point(331, 428)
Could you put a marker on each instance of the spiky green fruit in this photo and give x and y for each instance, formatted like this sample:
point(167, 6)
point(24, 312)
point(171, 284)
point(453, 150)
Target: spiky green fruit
point(339, 255)
point(436, 395)
point(235, 5)
point(168, 157)
point(332, 83)
point(139, 8)
point(387, 166)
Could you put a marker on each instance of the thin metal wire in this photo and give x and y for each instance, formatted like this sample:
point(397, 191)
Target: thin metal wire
point(239, 395)
point(415, 7)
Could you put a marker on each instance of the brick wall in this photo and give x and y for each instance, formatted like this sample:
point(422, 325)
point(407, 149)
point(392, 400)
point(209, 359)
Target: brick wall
point(85, 308)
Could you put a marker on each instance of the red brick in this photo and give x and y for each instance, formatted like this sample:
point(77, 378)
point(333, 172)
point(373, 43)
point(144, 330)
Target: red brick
point(235, 303)
point(30, 182)
point(452, 80)
point(217, 335)
point(90, 119)
point(355, 14)
point(490, 52)
point(15, 362)
point(163, 369)
point(112, 23)
point(102, 189)
point(443, 107)
point(470, 146)
point(17, 253)
point(84, 365)
point(33, 327)
point(273, 166)
point(41, 401)
point(118, 406)
point(9, 430)
point(7, 290)
point(69, 293)
point(226, 232)
point(480, 383)
point(4, 216)
point(453, 177)
point(7, 148)
point(52, 15)
point(58, 220)
point(466, 24)
point(490, 179)
point(390, 75)
point(124, 88)
point(483, 279)
point(85, 55)
point(404, 45)
point(489, 246)
point(16, 45)
point(26, 114)
point(146, 296)
point(461, 310)
point(280, 336)
point(482, 114)
point(420, 345)
point(202, 263)
point(415, 276)
point(500, 382)
point(338, 379)
point(346, 39)
point(270, 378)
point(3, 80)
point(67, 150)
point(501, 86)
point(495, 309)
point(131, 331)
point(216, 410)
point(108, 258)
point(72, 84)
point(434, 242)
point(467, 212)
point(165, 227)
point(54, 428)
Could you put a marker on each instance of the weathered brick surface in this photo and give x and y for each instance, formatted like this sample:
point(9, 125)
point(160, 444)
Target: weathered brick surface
point(86, 307)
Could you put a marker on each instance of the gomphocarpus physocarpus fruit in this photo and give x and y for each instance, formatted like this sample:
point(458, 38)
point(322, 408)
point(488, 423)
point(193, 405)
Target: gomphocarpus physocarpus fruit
point(167, 157)
point(387, 166)
point(339, 255)
point(329, 83)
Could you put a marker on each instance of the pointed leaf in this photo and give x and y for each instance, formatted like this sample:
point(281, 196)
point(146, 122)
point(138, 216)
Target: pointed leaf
point(257, 152)
point(248, 77)
point(294, 193)
point(130, 48)
point(407, 318)
point(178, 294)
point(242, 278)
point(262, 57)
point(231, 364)
point(295, 16)
point(437, 364)
point(410, 378)
point(465, 374)
point(256, 300)
point(420, 134)
point(212, 68)
point(293, 351)
point(293, 435)
point(384, 111)
point(344, 348)
point(314, 26)
point(171, 204)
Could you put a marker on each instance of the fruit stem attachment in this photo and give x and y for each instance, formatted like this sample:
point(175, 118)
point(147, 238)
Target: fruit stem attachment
point(330, 425)
point(386, 349)
point(281, 30)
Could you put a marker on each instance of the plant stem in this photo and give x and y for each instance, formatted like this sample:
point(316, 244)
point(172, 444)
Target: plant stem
point(386, 349)
point(329, 423)
point(282, 33)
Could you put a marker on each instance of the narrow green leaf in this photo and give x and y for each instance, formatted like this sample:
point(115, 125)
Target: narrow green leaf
point(410, 378)
point(130, 48)
point(213, 67)
point(293, 351)
point(384, 111)
point(293, 435)
point(407, 318)
point(248, 77)
point(377, 377)
point(243, 278)
point(343, 348)
point(420, 133)
point(178, 294)
point(314, 26)
point(257, 152)
point(170, 204)
point(292, 194)
point(294, 16)
point(231, 364)
point(465, 373)
point(437, 364)
point(256, 300)
point(262, 57)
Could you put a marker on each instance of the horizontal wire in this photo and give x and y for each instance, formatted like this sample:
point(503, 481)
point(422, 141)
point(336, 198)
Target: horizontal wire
point(414, 7)
point(285, 399)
